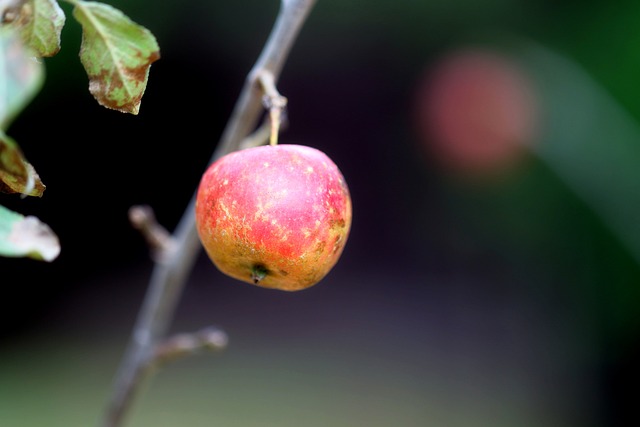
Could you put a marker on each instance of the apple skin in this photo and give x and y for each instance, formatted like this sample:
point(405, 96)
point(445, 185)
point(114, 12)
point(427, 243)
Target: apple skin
point(274, 216)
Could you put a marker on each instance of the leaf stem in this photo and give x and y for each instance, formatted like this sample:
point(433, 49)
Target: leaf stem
point(169, 277)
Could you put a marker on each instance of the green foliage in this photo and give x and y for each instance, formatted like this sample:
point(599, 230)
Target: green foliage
point(22, 236)
point(39, 23)
point(21, 78)
point(116, 54)
point(16, 174)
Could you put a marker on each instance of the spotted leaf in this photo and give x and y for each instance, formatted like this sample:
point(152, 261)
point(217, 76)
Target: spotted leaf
point(39, 23)
point(116, 54)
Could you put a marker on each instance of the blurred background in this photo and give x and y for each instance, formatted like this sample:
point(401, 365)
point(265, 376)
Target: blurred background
point(491, 277)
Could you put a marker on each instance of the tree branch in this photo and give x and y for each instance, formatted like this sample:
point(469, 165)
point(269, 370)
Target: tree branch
point(169, 277)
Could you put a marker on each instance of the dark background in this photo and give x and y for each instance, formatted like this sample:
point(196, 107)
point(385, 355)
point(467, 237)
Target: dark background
point(458, 300)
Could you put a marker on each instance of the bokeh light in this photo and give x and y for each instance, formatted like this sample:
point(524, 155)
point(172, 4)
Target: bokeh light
point(476, 112)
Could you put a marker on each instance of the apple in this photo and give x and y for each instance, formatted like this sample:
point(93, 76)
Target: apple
point(477, 112)
point(276, 216)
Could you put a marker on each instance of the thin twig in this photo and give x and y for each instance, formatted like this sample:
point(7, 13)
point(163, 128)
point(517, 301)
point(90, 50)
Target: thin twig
point(186, 344)
point(169, 277)
point(160, 242)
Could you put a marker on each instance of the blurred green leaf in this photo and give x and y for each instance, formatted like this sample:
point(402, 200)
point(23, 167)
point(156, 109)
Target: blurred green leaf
point(21, 76)
point(16, 174)
point(116, 54)
point(22, 236)
point(589, 141)
point(40, 23)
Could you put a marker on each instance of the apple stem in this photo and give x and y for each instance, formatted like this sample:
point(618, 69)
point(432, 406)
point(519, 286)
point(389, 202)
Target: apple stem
point(262, 135)
point(258, 272)
point(272, 101)
point(274, 114)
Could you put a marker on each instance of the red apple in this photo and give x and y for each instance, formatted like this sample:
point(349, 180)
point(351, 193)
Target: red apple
point(477, 111)
point(274, 216)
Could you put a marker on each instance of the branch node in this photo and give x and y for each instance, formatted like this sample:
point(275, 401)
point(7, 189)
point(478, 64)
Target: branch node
point(160, 241)
point(187, 344)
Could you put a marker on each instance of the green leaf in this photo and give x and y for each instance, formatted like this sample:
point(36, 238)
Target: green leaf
point(116, 54)
point(16, 174)
point(21, 76)
point(40, 23)
point(588, 139)
point(22, 236)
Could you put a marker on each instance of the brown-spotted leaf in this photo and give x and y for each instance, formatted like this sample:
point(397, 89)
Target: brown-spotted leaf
point(26, 236)
point(16, 174)
point(39, 23)
point(21, 76)
point(116, 54)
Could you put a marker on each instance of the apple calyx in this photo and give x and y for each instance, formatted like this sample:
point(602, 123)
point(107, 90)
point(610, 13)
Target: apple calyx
point(258, 272)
